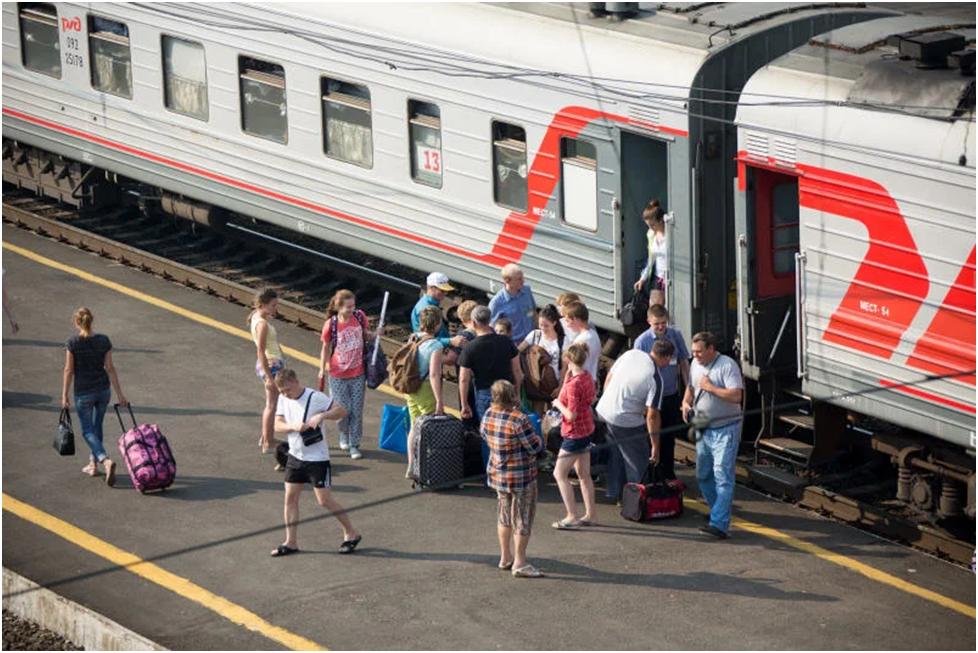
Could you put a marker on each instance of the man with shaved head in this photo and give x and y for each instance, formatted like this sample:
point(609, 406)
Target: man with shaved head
point(515, 303)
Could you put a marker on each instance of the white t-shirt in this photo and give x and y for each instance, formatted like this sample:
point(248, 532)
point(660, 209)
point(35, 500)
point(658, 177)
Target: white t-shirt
point(593, 342)
point(292, 410)
point(635, 385)
point(536, 337)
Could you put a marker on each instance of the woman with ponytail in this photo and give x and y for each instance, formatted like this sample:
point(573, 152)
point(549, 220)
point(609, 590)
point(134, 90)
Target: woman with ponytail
point(345, 335)
point(88, 361)
point(270, 360)
point(656, 267)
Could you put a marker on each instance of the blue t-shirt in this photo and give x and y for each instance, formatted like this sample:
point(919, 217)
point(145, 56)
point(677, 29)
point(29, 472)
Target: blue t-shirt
point(427, 300)
point(518, 309)
point(425, 350)
point(670, 373)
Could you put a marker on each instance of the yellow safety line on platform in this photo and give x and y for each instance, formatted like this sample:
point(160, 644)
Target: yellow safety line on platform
point(770, 533)
point(153, 573)
point(173, 308)
point(844, 561)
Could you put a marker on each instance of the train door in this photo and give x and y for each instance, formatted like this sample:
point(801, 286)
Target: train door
point(767, 272)
point(644, 176)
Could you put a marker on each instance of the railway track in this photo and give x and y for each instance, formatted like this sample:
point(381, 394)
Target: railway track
point(232, 264)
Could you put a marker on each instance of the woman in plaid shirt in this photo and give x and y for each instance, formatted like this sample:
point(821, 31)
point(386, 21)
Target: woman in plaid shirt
point(512, 472)
point(574, 404)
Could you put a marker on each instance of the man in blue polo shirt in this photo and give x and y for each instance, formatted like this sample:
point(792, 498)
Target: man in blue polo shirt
point(438, 286)
point(675, 376)
point(515, 303)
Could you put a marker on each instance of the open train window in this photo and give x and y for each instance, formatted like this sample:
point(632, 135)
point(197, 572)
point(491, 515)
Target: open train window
point(40, 47)
point(184, 77)
point(347, 123)
point(579, 183)
point(425, 132)
point(108, 44)
point(509, 165)
point(263, 109)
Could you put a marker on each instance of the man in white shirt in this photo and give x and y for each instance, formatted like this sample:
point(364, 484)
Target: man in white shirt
point(301, 414)
point(578, 321)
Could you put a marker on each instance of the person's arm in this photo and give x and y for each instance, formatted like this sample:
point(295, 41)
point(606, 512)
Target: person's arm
point(517, 371)
point(733, 395)
point(684, 371)
point(565, 410)
point(261, 332)
point(114, 379)
point(653, 422)
point(69, 373)
point(324, 354)
point(687, 403)
point(646, 272)
point(336, 411)
point(464, 378)
point(434, 377)
point(529, 438)
point(282, 427)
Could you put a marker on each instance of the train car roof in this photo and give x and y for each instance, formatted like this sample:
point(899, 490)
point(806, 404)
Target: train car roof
point(852, 85)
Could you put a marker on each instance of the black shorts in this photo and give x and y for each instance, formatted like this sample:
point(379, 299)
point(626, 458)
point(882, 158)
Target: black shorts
point(300, 471)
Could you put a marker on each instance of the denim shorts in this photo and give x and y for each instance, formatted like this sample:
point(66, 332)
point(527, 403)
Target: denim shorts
point(576, 445)
point(276, 365)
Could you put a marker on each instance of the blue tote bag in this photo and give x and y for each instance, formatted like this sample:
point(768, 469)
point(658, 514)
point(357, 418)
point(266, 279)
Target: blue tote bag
point(394, 426)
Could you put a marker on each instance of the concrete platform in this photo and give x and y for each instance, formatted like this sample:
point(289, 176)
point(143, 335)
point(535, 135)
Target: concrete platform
point(425, 576)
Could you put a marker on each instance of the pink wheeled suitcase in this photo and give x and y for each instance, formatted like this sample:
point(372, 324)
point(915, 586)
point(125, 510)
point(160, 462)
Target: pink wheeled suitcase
point(148, 456)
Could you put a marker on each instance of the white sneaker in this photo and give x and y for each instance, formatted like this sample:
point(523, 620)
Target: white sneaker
point(355, 453)
point(344, 446)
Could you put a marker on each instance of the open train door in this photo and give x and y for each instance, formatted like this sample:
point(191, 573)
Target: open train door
point(767, 243)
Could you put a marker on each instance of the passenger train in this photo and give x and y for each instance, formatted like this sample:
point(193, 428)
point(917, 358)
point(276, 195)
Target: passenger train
point(817, 162)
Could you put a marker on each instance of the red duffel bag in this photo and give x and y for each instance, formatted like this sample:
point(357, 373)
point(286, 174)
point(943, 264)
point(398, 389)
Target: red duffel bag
point(653, 498)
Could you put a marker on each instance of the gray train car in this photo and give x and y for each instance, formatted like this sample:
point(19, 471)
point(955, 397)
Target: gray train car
point(457, 137)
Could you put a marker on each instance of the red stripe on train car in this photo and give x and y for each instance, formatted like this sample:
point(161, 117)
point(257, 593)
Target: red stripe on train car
point(891, 283)
point(948, 345)
point(928, 396)
point(517, 229)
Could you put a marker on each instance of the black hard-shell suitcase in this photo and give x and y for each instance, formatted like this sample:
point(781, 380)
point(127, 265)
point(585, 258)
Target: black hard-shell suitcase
point(440, 451)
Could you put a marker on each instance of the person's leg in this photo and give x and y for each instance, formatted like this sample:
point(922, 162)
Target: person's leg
point(671, 418)
point(324, 496)
point(504, 527)
point(483, 399)
point(358, 390)
point(100, 406)
point(704, 468)
point(85, 408)
point(292, 492)
point(339, 391)
point(582, 464)
point(524, 510)
point(561, 474)
point(635, 449)
point(616, 465)
point(268, 419)
point(726, 440)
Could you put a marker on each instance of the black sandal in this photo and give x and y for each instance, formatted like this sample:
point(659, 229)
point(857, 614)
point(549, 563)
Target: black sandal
point(349, 545)
point(283, 550)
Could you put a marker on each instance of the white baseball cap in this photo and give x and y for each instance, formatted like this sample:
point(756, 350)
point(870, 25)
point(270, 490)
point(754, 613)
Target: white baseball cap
point(440, 281)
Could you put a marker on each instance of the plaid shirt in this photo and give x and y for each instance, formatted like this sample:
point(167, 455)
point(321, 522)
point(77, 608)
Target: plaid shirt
point(578, 394)
point(513, 448)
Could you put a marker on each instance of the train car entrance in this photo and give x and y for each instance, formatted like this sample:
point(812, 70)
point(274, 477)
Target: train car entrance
point(644, 176)
point(766, 280)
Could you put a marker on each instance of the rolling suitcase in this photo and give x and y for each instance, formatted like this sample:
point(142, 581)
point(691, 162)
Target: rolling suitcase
point(439, 451)
point(147, 454)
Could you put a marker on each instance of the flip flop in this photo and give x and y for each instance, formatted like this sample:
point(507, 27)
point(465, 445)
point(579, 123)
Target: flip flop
point(564, 525)
point(282, 550)
point(528, 571)
point(506, 565)
point(587, 522)
point(349, 545)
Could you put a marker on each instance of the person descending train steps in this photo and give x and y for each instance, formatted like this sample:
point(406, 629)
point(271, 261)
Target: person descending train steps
point(657, 266)
point(515, 302)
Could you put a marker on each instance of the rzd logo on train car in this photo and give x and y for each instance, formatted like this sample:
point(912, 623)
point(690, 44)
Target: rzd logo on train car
point(71, 24)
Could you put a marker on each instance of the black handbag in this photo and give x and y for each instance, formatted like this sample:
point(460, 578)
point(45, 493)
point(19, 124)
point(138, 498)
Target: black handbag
point(310, 436)
point(64, 436)
point(634, 312)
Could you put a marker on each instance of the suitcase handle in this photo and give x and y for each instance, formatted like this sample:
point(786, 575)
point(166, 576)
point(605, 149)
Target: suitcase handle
point(119, 415)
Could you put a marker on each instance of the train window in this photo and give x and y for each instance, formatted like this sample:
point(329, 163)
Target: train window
point(263, 109)
point(579, 183)
point(108, 44)
point(184, 77)
point(784, 227)
point(425, 133)
point(347, 125)
point(509, 165)
point(40, 47)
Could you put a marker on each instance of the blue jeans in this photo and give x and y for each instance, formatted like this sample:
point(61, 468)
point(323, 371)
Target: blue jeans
point(716, 460)
point(91, 411)
point(483, 400)
point(628, 457)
